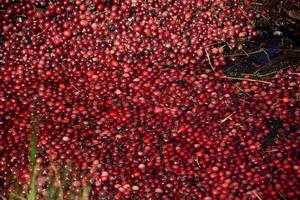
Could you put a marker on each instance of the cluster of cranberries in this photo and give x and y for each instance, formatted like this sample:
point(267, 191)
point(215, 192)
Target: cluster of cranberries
point(122, 94)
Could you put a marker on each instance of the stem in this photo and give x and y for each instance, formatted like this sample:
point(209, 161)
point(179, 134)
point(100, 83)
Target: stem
point(226, 118)
point(296, 74)
point(246, 79)
point(209, 61)
point(255, 193)
point(262, 50)
point(245, 54)
point(247, 17)
point(33, 185)
point(85, 193)
point(32, 158)
point(271, 151)
point(15, 196)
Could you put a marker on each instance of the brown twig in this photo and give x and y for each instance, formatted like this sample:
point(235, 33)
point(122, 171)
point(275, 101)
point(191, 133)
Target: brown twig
point(209, 61)
point(197, 162)
point(251, 22)
point(245, 79)
point(261, 50)
point(75, 88)
point(255, 193)
point(271, 151)
point(226, 118)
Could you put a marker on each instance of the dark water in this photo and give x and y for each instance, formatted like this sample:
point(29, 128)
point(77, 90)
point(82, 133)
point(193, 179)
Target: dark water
point(269, 50)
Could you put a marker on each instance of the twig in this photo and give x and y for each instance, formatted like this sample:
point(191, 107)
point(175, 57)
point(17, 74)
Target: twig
point(226, 118)
point(75, 88)
point(245, 79)
point(263, 50)
point(255, 193)
point(226, 44)
point(212, 44)
point(263, 75)
point(251, 22)
point(37, 34)
point(245, 52)
point(242, 54)
point(271, 151)
point(197, 162)
point(257, 73)
point(257, 4)
point(209, 61)
point(243, 91)
point(17, 196)
point(292, 50)
point(281, 195)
